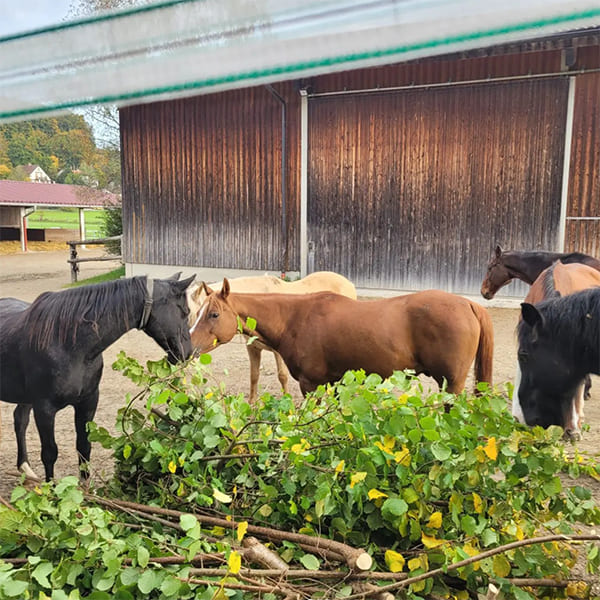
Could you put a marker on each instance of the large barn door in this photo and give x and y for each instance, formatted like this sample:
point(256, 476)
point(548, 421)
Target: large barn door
point(412, 190)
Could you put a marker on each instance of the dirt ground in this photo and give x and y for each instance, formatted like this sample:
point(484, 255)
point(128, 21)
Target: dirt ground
point(25, 276)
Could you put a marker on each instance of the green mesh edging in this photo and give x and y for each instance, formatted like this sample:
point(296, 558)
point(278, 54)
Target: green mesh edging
point(301, 66)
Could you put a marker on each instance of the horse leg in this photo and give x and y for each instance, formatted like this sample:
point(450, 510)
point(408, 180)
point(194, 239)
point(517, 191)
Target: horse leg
point(21, 416)
point(517, 411)
point(85, 410)
point(573, 414)
point(587, 394)
point(254, 356)
point(45, 417)
point(282, 372)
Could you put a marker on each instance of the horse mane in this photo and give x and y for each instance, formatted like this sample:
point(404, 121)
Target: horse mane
point(572, 321)
point(54, 317)
point(548, 286)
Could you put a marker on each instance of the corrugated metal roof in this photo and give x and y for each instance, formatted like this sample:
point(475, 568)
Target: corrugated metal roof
point(25, 193)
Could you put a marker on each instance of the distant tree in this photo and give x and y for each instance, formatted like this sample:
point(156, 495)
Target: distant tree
point(18, 173)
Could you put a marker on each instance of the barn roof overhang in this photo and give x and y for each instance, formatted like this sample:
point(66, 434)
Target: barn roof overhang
point(176, 48)
point(24, 194)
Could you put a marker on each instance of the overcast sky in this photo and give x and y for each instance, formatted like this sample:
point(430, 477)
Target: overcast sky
point(17, 16)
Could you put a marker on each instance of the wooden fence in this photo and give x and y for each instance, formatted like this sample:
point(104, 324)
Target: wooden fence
point(74, 261)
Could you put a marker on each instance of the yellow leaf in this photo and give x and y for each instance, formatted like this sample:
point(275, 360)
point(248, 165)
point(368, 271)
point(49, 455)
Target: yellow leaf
point(172, 467)
point(374, 494)
point(420, 562)
point(403, 399)
point(235, 562)
point(218, 531)
point(340, 466)
point(403, 456)
point(221, 497)
point(472, 551)
point(394, 560)
point(209, 395)
point(435, 520)
point(181, 461)
point(490, 449)
point(577, 589)
point(181, 490)
point(477, 503)
point(357, 478)
point(389, 441)
point(300, 447)
point(430, 541)
point(501, 566)
point(241, 530)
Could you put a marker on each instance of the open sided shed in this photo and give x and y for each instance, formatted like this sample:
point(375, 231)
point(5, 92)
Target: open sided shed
point(395, 142)
point(19, 199)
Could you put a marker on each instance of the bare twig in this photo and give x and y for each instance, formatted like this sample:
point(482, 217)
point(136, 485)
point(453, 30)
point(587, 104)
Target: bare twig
point(6, 503)
point(463, 563)
point(355, 558)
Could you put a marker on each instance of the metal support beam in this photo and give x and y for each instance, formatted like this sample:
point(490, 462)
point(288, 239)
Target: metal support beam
point(564, 198)
point(303, 183)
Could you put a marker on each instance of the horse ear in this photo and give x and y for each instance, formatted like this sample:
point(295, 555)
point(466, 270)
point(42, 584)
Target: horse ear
point(225, 289)
point(531, 315)
point(498, 251)
point(207, 289)
point(185, 283)
point(175, 277)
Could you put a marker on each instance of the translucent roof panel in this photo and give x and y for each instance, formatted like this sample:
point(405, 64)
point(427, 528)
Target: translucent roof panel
point(187, 47)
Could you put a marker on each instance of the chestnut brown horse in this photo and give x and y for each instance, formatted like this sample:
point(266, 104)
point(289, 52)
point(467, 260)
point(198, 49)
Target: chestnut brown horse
point(526, 266)
point(560, 280)
point(321, 336)
point(319, 281)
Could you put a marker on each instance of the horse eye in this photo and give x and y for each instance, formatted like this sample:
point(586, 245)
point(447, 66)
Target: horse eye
point(213, 315)
point(522, 356)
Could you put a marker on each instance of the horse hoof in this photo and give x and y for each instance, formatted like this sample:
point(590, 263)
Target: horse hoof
point(28, 472)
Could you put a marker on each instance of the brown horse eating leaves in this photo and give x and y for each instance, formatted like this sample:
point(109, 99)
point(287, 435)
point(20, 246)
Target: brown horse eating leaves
point(320, 336)
point(319, 281)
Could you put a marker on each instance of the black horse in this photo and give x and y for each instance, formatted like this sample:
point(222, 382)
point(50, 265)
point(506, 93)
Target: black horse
point(51, 350)
point(559, 344)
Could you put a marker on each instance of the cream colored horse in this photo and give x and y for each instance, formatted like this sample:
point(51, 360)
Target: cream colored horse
point(320, 281)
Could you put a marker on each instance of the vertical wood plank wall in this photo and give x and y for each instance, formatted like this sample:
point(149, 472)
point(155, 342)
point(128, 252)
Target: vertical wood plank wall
point(584, 188)
point(407, 189)
point(202, 182)
point(411, 190)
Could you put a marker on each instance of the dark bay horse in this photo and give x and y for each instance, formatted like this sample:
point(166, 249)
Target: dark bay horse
point(558, 280)
point(559, 343)
point(319, 281)
point(526, 266)
point(51, 350)
point(321, 336)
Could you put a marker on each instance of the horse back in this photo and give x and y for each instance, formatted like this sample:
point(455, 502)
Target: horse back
point(564, 278)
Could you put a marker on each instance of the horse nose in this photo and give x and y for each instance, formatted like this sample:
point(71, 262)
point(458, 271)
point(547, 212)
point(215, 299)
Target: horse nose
point(486, 293)
point(573, 435)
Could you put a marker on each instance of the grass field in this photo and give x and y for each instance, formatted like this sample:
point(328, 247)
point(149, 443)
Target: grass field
point(67, 218)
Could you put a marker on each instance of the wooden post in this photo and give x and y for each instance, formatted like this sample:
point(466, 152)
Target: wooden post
point(73, 261)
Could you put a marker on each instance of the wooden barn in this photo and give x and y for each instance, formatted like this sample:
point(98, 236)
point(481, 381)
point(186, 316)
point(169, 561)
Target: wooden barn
point(400, 177)
point(394, 141)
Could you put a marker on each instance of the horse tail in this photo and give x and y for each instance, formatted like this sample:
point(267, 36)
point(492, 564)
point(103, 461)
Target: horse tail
point(485, 348)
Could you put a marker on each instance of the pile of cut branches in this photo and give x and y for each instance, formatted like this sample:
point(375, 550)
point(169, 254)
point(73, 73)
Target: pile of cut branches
point(370, 487)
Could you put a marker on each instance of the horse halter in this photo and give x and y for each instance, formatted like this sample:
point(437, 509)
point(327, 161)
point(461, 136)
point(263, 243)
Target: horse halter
point(148, 301)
